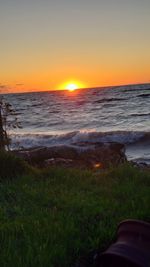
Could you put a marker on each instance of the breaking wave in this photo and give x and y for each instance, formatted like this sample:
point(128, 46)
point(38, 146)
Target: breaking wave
point(78, 137)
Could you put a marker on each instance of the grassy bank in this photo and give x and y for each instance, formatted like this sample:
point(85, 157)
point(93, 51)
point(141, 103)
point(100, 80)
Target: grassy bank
point(51, 217)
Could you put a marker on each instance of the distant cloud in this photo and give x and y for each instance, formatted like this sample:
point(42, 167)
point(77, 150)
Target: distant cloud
point(6, 88)
point(3, 86)
point(19, 84)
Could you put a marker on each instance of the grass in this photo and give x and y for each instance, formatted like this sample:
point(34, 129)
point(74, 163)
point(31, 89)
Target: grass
point(11, 166)
point(48, 218)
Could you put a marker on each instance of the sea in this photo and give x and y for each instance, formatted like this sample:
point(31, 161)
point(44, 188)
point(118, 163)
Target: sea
point(110, 114)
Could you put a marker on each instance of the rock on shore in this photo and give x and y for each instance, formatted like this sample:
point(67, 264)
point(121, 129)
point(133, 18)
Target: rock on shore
point(90, 155)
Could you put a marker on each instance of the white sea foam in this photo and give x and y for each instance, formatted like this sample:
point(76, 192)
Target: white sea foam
point(75, 138)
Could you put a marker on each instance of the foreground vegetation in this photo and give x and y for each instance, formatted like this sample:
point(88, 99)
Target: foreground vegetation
point(51, 217)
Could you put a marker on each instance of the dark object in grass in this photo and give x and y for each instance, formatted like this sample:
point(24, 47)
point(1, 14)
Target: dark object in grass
point(132, 247)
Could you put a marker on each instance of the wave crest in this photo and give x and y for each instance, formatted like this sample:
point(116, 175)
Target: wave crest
point(77, 137)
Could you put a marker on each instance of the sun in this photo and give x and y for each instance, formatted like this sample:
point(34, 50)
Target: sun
point(72, 87)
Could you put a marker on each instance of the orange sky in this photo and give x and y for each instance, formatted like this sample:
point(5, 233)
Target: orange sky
point(44, 45)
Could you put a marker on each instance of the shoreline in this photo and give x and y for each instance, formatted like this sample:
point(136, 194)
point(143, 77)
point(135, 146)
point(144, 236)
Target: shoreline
point(80, 155)
point(135, 145)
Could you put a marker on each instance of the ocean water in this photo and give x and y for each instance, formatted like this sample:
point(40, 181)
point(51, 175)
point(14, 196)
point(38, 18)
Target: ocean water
point(111, 114)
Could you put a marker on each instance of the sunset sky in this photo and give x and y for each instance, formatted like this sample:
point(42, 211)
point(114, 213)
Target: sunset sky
point(46, 43)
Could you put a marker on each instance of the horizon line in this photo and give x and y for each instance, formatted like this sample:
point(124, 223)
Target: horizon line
point(58, 90)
